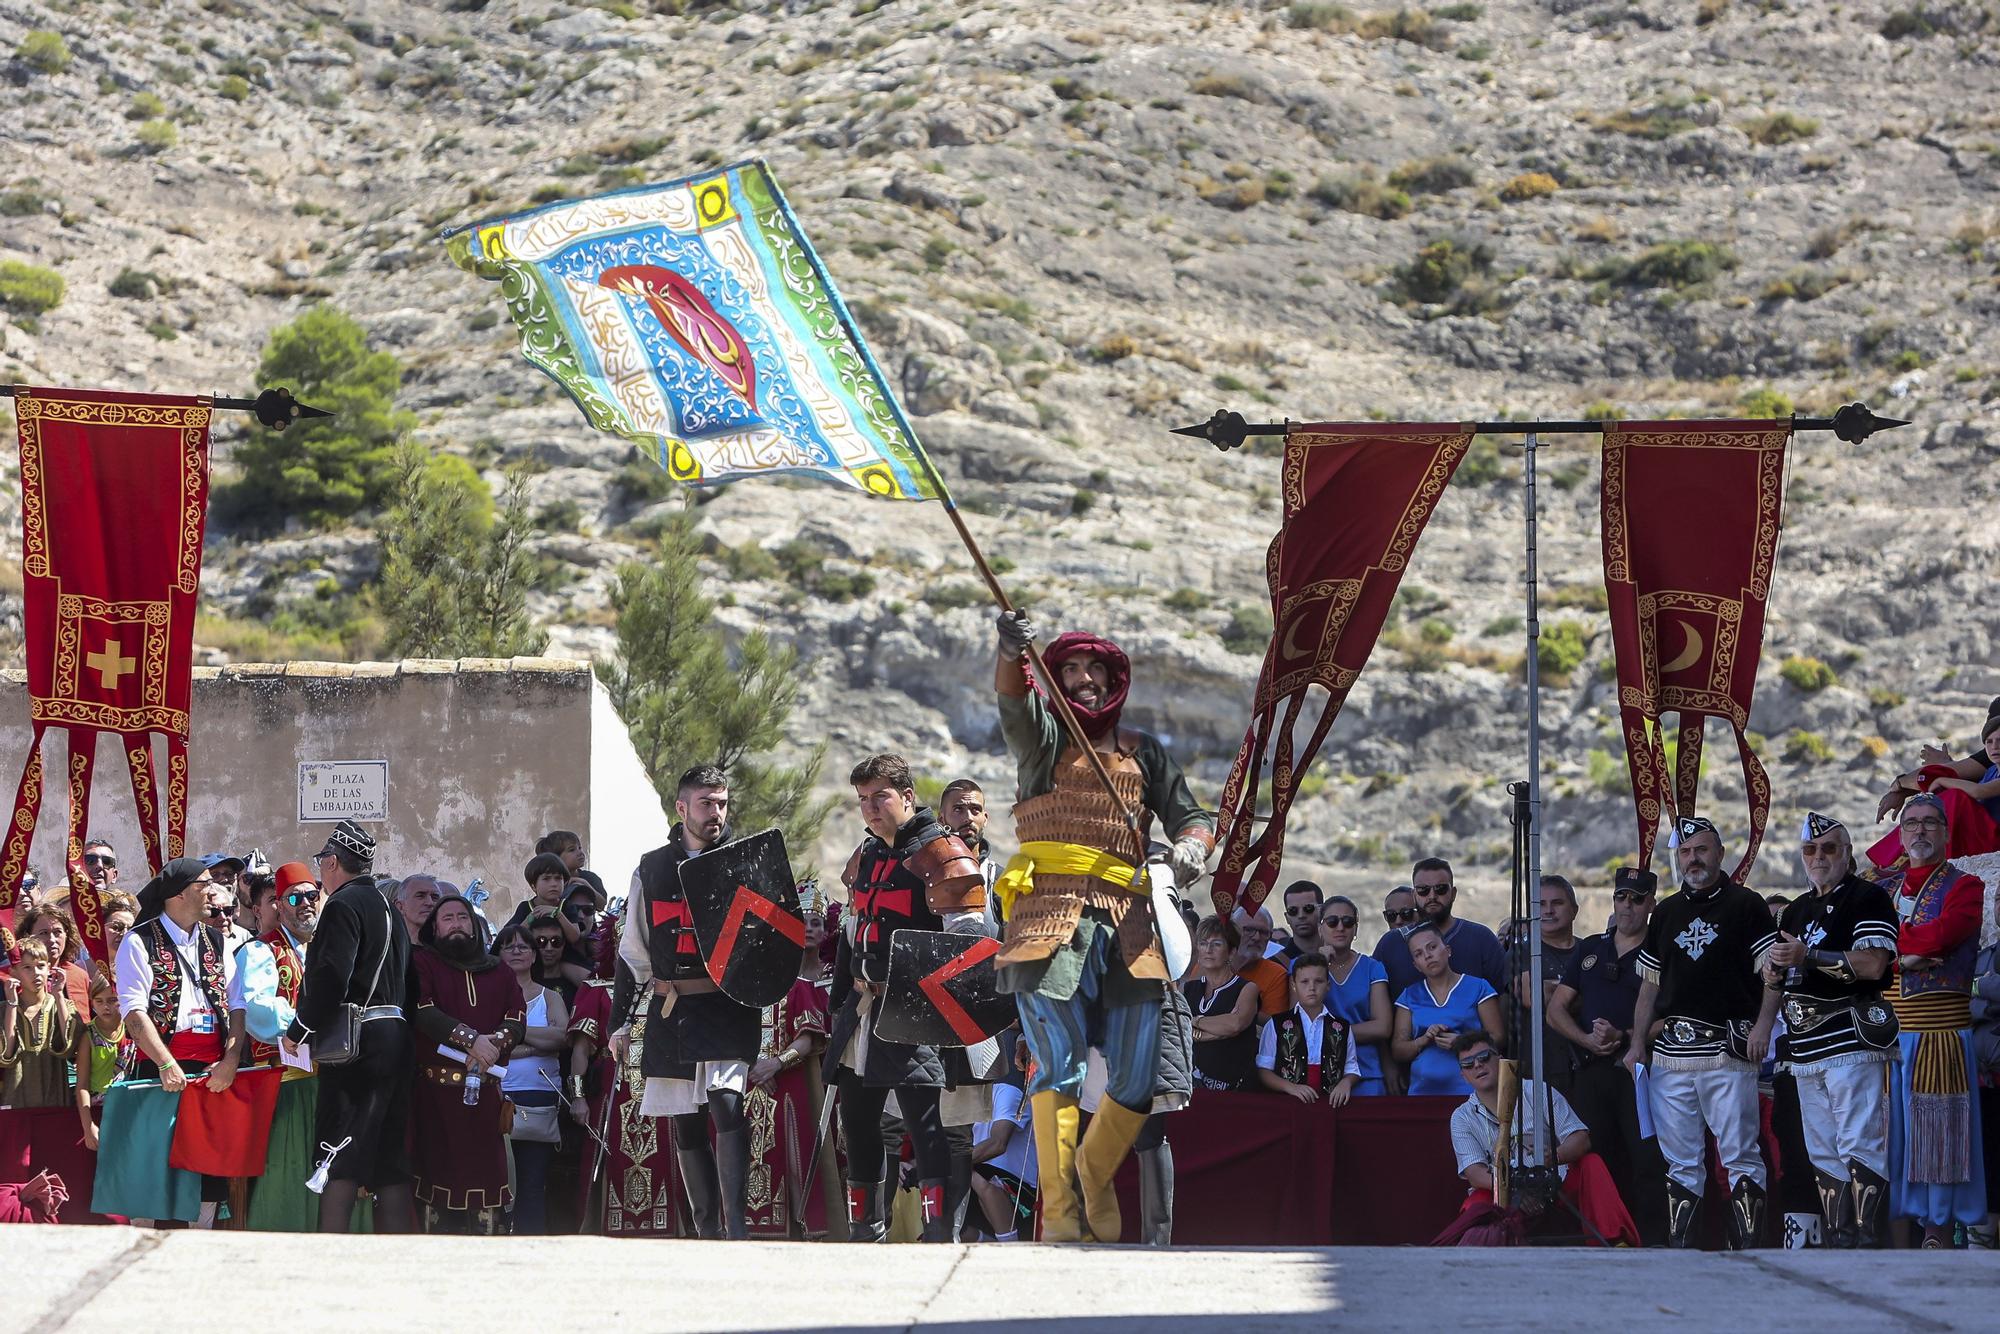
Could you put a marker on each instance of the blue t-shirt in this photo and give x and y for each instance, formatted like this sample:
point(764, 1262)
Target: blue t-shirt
point(1475, 951)
point(1992, 804)
point(1349, 1002)
point(1436, 1070)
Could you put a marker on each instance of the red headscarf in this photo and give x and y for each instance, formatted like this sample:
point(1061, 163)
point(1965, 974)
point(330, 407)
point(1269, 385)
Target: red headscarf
point(1103, 719)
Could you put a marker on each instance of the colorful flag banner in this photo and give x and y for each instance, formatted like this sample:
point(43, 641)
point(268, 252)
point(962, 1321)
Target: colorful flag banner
point(694, 319)
point(1691, 517)
point(1357, 497)
point(114, 496)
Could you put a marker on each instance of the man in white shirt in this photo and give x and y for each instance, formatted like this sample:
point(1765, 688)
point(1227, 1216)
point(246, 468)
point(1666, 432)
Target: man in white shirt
point(1004, 1165)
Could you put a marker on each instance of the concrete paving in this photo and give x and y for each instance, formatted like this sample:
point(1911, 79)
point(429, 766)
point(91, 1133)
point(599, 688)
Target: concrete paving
point(119, 1279)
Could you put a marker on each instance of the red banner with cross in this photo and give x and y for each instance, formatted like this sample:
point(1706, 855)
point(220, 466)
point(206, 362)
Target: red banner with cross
point(1691, 517)
point(1357, 497)
point(114, 496)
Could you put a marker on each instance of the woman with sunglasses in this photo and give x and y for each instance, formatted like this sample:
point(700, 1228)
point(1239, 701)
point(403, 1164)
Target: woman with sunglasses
point(1359, 992)
point(1433, 1011)
point(534, 1073)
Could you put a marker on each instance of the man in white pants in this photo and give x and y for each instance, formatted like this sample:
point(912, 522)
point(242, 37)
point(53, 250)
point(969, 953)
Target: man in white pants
point(1699, 975)
point(1831, 962)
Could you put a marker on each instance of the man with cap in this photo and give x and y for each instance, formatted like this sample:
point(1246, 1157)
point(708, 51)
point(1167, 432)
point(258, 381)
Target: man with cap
point(1699, 975)
point(1593, 1004)
point(1936, 1171)
point(1831, 962)
point(263, 1001)
point(173, 976)
point(359, 957)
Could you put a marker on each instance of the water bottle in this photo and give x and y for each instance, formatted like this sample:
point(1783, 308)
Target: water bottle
point(473, 1084)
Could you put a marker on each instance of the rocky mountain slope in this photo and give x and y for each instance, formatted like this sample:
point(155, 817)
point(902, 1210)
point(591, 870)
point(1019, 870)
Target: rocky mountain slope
point(1068, 227)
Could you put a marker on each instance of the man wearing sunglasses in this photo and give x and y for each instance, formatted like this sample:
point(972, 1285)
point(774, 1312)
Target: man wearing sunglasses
point(1303, 900)
point(1475, 950)
point(1592, 1007)
point(100, 862)
point(263, 1000)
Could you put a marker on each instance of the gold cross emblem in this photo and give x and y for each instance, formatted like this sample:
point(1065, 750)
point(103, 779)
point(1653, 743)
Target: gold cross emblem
point(110, 664)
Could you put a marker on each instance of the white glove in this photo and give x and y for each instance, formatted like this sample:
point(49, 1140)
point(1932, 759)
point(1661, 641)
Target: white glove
point(1189, 859)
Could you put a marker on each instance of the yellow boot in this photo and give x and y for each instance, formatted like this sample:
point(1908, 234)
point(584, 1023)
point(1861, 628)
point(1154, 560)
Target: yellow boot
point(1112, 1129)
point(1055, 1118)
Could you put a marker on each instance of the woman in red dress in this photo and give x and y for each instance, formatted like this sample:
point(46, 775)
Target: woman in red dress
point(786, 1097)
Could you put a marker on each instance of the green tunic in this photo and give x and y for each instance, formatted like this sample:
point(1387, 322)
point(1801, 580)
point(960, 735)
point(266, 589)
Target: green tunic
point(1036, 739)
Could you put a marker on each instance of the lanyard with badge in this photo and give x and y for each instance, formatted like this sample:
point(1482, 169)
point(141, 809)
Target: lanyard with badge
point(206, 1021)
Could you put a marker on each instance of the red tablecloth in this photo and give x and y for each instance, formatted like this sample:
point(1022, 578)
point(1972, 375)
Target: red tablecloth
point(49, 1139)
point(1261, 1169)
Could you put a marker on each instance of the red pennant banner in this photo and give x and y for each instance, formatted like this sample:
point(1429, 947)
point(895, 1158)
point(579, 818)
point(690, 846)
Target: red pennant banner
point(114, 496)
point(1691, 517)
point(1357, 497)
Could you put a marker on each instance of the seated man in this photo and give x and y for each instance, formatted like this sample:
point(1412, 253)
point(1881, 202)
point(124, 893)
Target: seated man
point(1478, 1143)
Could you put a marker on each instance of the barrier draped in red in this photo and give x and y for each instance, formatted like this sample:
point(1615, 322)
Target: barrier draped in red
point(1691, 517)
point(1260, 1169)
point(114, 495)
point(1357, 497)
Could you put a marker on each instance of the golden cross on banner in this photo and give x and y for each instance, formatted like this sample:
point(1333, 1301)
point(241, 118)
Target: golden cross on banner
point(110, 664)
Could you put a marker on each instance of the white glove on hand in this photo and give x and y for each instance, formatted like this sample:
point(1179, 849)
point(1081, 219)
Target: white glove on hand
point(1189, 859)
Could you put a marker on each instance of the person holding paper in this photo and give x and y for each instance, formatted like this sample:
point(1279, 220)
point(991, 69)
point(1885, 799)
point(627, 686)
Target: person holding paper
point(469, 1015)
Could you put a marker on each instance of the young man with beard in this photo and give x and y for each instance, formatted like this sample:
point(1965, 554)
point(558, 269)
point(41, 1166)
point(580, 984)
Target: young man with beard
point(1083, 954)
point(263, 1000)
point(969, 1092)
point(911, 873)
point(700, 1042)
point(1936, 1171)
point(1699, 973)
point(1831, 962)
point(1593, 1007)
point(469, 1015)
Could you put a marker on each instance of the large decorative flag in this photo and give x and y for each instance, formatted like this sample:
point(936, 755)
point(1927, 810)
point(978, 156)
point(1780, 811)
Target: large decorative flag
point(1357, 497)
point(694, 319)
point(1691, 515)
point(114, 494)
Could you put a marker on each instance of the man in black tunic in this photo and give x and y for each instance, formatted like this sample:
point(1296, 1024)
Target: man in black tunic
point(360, 956)
point(699, 1042)
point(911, 873)
point(1832, 961)
point(1699, 973)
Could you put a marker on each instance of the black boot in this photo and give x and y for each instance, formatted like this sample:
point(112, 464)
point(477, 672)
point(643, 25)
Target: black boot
point(732, 1171)
point(1156, 1196)
point(1836, 1212)
point(704, 1192)
point(937, 1220)
point(864, 1211)
point(1870, 1207)
point(1746, 1215)
point(1682, 1207)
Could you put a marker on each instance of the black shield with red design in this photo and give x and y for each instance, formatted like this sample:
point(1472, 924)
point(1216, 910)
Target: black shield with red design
point(746, 915)
point(942, 990)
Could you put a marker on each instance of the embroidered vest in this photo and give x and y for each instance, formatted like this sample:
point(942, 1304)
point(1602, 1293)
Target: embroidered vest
point(291, 976)
point(163, 1002)
point(1955, 974)
point(1293, 1059)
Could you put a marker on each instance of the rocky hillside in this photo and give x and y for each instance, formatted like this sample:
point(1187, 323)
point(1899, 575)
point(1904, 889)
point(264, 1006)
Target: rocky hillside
point(1068, 227)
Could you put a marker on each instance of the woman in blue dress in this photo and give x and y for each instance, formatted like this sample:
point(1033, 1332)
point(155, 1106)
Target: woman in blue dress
point(1434, 1010)
point(1359, 993)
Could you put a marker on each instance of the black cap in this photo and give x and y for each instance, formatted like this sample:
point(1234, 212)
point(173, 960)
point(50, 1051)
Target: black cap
point(352, 839)
point(1631, 877)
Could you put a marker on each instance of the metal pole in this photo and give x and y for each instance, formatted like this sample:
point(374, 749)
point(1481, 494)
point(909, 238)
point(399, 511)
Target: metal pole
point(1537, 1064)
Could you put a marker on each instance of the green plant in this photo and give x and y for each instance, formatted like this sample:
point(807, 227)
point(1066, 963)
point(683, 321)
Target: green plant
point(1881, 698)
point(1807, 674)
point(1528, 185)
point(1607, 773)
point(1673, 264)
point(28, 290)
point(1249, 629)
point(135, 285)
point(326, 469)
point(145, 106)
point(1802, 746)
point(1361, 193)
point(1433, 176)
point(1780, 127)
point(1440, 270)
point(1561, 648)
point(1186, 600)
point(1117, 347)
point(157, 136)
point(234, 87)
point(1081, 502)
point(44, 51)
point(1765, 402)
point(1435, 631)
point(455, 577)
point(1314, 15)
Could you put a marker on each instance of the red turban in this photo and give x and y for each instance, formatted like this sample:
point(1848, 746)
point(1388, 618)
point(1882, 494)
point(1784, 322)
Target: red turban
point(1102, 720)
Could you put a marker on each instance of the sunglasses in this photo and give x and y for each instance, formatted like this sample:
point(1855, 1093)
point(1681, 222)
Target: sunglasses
point(1432, 891)
point(1630, 895)
point(300, 897)
point(1475, 1061)
point(98, 859)
point(548, 943)
point(1330, 921)
point(218, 913)
point(1922, 826)
point(1395, 915)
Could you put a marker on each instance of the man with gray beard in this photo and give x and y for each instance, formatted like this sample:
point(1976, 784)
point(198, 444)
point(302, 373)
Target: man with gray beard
point(1698, 970)
point(1831, 962)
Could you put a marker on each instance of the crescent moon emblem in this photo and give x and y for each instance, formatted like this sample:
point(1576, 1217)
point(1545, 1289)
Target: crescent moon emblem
point(1690, 654)
point(1290, 647)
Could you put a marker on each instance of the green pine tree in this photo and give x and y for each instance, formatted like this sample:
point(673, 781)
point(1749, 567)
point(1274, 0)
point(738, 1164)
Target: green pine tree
point(686, 703)
point(323, 470)
point(455, 576)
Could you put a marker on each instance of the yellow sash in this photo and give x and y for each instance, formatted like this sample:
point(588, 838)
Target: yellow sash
point(1048, 857)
